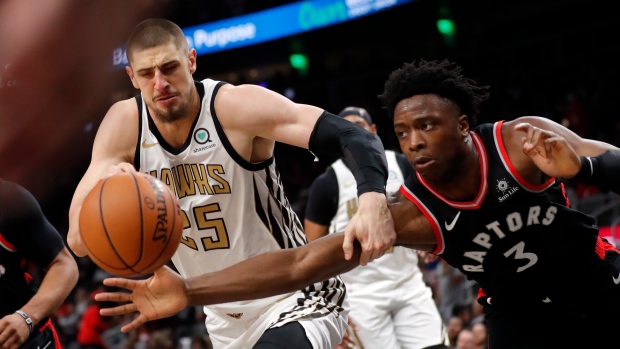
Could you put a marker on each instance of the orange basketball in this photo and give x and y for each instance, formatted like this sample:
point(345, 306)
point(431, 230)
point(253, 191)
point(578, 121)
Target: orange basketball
point(131, 224)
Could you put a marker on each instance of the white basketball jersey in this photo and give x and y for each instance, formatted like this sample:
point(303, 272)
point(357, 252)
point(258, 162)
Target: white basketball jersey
point(398, 265)
point(233, 209)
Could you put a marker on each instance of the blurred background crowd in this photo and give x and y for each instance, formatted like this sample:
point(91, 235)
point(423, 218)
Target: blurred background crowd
point(556, 59)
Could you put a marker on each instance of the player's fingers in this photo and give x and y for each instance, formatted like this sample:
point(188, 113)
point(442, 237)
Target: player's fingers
point(366, 255)
point(137, 322)
point(347, 244)
point(527, 147)
point(523, 127)
point(120, 282)
point(113, 297)
point(549, 144)
point(120, 310)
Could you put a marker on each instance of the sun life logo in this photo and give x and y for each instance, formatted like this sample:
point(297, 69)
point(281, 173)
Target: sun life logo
point(505, 190)
point(502, 185)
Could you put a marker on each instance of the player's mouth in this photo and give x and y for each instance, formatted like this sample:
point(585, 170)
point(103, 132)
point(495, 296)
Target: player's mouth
point(166, 99)
point(421, 163)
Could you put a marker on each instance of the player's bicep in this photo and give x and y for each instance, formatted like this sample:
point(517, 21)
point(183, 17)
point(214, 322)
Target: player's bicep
point(114, 143)
point(266, 114)
point(583, 147)
point(412, 228)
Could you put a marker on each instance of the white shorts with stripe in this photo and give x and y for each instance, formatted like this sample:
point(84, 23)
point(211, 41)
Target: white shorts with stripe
point(324, 329)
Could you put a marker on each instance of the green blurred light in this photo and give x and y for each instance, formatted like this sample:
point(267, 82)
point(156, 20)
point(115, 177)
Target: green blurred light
point(445, 26)
point(298, 61)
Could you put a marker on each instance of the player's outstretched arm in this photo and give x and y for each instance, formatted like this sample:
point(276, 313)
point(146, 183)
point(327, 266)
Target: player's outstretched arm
point(115, 143)
point(166, 292)
point(276, 272)
point(558, 152)
point(269, 115)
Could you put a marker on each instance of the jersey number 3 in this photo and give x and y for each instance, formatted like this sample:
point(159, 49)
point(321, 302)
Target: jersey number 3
point(517, 250)
point(217, 225)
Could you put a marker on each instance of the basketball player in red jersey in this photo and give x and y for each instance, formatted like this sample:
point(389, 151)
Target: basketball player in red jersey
point(489, 200)
point(26, 236)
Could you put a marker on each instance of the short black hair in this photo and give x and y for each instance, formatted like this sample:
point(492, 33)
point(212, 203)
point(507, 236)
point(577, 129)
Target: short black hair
point(154, 32)
point(441, 78)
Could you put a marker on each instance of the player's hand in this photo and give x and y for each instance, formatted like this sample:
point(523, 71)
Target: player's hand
point(372, 226)
point(349, 340)
point(162, 295)
point(13, 331)
point(122, 167)
point(549, 151)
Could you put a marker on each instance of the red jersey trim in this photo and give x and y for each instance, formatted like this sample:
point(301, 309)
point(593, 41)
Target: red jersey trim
point(484, 169)
point(429, 216)
point(499, 143)
point(6, 244)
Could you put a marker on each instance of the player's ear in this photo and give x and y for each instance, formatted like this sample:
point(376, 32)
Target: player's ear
point(463, 122)
point(192, 61)
point(132, 77)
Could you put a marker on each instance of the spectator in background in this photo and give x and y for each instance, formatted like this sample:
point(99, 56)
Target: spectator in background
point(454, 290)
point(69, 320)
point(465, 340)
point(480, 335)
point(92, 326)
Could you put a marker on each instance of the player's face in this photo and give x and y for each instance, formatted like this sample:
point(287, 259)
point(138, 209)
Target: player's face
point(431, 132)
point(164, 76)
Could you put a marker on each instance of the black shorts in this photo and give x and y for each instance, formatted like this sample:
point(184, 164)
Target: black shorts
point(45, 337)
point(290, 336)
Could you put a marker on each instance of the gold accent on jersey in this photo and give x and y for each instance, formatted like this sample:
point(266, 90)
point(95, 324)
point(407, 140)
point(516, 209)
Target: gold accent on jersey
point(351, 207)
point(148, 145)
point(235, 315)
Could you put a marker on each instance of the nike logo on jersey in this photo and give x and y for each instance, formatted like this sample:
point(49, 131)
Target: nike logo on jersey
point(148, 145)
point(46, 345)
point(616, 280)
point(2, 270)
point(451, 225)
point(547, 300)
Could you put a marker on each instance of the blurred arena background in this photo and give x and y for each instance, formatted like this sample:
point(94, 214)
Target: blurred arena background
point(551, 58)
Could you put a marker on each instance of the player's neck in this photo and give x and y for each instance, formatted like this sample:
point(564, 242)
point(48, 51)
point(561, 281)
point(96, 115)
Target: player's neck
point(462, 182)
point(176, 132)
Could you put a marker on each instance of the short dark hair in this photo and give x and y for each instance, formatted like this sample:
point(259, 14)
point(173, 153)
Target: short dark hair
point(154, 32)
point(441, 78)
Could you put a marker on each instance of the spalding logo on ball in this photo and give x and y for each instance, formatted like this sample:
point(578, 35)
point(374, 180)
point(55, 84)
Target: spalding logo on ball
point(131, 224)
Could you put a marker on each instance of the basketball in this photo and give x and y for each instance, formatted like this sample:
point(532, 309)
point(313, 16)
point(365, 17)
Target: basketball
point(130, 224)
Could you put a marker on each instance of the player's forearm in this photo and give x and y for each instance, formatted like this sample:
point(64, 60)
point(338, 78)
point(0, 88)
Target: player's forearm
point(74, 240)
point(602, 170)
point(59, 280)
point(362, 150)
point(273, 273)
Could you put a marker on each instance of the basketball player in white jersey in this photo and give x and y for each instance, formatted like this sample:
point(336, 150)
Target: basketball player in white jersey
point(391, 306)
point(212, 143)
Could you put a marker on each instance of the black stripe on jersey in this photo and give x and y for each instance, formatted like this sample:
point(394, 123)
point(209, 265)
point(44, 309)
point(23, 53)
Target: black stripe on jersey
point(295, 229)
point(229, 148)
point(259, 208)
point(136, 156)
